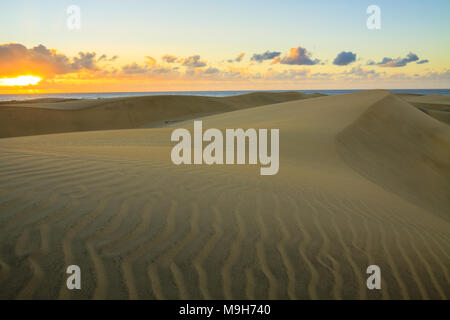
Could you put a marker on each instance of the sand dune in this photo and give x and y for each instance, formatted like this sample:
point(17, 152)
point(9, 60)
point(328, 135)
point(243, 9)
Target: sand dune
point(44, 116)
point(364, 179)
point(435, 105)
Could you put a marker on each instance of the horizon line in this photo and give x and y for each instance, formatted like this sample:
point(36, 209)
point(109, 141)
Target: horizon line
point(269, 90)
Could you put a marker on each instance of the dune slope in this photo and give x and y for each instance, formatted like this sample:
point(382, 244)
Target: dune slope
point(392, 132)
point(362, 181)
point(437, 106)
point(44, 116)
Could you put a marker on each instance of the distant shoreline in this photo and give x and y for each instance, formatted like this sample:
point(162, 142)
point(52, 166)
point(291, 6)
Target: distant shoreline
point(98, 95)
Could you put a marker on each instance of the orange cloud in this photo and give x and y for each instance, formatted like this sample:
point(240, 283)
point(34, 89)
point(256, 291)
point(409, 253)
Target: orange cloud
point(296, 56)
point(88, 72)
point(16, 60)
point(150, 61)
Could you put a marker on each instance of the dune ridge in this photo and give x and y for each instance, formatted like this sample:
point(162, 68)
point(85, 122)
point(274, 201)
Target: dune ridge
point(354, 189)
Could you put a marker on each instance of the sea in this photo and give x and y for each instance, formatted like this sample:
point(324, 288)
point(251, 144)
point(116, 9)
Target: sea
point(101, 95)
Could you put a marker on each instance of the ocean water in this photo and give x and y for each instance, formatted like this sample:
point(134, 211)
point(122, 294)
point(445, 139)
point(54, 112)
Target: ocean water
point(98, 95)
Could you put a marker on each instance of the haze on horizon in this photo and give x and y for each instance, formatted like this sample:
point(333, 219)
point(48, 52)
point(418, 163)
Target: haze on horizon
point(211, 45)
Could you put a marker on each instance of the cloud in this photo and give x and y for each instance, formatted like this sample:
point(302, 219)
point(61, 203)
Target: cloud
point(193, 62)
point(134, 68)
point(104, 57)
point(169, 58)
point(344, 58)
point(399, 62)
point(85, 60)
point(297, 56)
point(150, 61)
point(286, 74)
point(16, 59)
point(212, 70)
point(160, 70)
point(385, 61)
point(238, 58)
point(268, 55)
point(436, 76)
point(148, 70)
point(361, 73)
point(321, 75)
point(423, 61)
point(217, 74)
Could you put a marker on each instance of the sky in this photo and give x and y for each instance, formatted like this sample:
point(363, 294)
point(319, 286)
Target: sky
point(178, 45)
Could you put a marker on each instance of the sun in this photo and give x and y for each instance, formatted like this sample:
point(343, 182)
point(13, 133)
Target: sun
point(20, 81)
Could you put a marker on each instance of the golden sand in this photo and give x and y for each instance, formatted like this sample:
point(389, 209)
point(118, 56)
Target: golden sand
point(364, 179)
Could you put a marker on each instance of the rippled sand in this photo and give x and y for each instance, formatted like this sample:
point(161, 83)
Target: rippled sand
point(364, 179)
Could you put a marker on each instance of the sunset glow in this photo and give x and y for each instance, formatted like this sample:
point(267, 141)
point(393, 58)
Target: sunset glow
point(20, 81)
point(79, 51)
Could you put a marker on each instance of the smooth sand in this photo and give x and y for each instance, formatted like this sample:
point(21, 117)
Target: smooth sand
point(364, 179)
